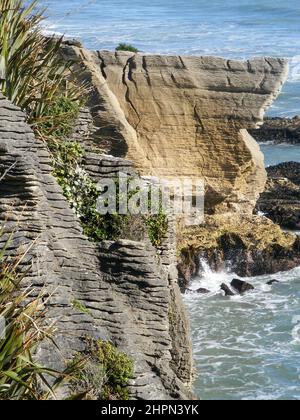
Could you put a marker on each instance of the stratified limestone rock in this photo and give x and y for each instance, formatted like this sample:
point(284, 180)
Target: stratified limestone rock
point(128, 291)
point(185, 117)
point(279, 130)
point(281, 199)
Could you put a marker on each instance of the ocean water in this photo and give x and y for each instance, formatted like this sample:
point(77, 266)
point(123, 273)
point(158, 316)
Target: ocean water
point(226, 28)
point(245, 347)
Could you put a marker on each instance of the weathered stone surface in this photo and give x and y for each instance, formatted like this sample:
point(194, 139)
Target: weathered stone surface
point(279, 130)
point(281, 199)
point(127, 289)
point(185, 117)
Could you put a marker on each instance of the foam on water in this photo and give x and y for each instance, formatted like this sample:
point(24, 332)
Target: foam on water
point(247, 347)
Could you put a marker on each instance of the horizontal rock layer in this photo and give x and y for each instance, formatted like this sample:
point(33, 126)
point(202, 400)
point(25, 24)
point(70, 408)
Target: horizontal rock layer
point(185, 117)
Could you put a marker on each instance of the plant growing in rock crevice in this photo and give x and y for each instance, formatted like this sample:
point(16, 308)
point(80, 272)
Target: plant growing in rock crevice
point(106, 373)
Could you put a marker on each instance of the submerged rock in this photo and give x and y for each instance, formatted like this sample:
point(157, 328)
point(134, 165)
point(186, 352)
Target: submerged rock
point(227, 290)
point(281, 199)
point(279, 130)
point(241, 286)
point(202, 291)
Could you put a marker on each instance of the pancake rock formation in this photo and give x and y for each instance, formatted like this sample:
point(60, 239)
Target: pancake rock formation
point(130, 293)
point(185, 117)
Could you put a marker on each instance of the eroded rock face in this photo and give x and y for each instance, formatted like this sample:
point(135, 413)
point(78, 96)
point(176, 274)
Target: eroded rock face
point(128, 291)
point(185, 117)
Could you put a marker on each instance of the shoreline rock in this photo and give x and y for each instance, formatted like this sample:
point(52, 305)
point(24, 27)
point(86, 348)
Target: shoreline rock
point(241, 286)
point(279, 130)
point(280, 201)
point(247, 247)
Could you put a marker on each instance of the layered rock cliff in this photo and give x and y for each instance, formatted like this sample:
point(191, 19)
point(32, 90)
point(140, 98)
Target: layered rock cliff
point(172, 117)
point(185, 117)
point(129, 292)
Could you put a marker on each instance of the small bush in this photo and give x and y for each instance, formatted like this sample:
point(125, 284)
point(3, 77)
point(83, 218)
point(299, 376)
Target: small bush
point(157, 228)
point(106, 373)
point(127, 47)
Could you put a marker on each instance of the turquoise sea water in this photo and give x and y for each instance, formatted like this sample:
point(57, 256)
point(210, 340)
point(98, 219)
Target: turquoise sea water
point(246, 347)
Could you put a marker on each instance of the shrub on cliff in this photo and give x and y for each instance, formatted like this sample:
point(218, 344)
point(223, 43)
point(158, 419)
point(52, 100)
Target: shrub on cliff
point(127, 47)
point(106, 373)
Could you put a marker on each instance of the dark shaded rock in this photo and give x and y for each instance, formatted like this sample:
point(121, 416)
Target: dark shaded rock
point(271, 282)
point(241, 286)
point(279, 130)
point(227, 290)
point(280, 201)
point(202, 291)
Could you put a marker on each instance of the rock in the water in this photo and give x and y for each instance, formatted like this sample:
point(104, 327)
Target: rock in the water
point(227, 290)
point(202, 291)
point(281, 199)
point(248, 246)
point(279, 130)
point(271, 282)
point(241, 286)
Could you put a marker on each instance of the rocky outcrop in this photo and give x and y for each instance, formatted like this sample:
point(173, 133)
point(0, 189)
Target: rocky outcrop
point(247, 246)
point(281, 199)
point(184, 117)
point(128, 290)
point(279, 130)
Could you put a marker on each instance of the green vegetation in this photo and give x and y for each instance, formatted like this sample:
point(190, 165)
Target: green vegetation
point(157, 226)
point(80, 307)
point(32, 72)
point(82, 193)
point(106, 372)
point(58, 118)
point(127, 47)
